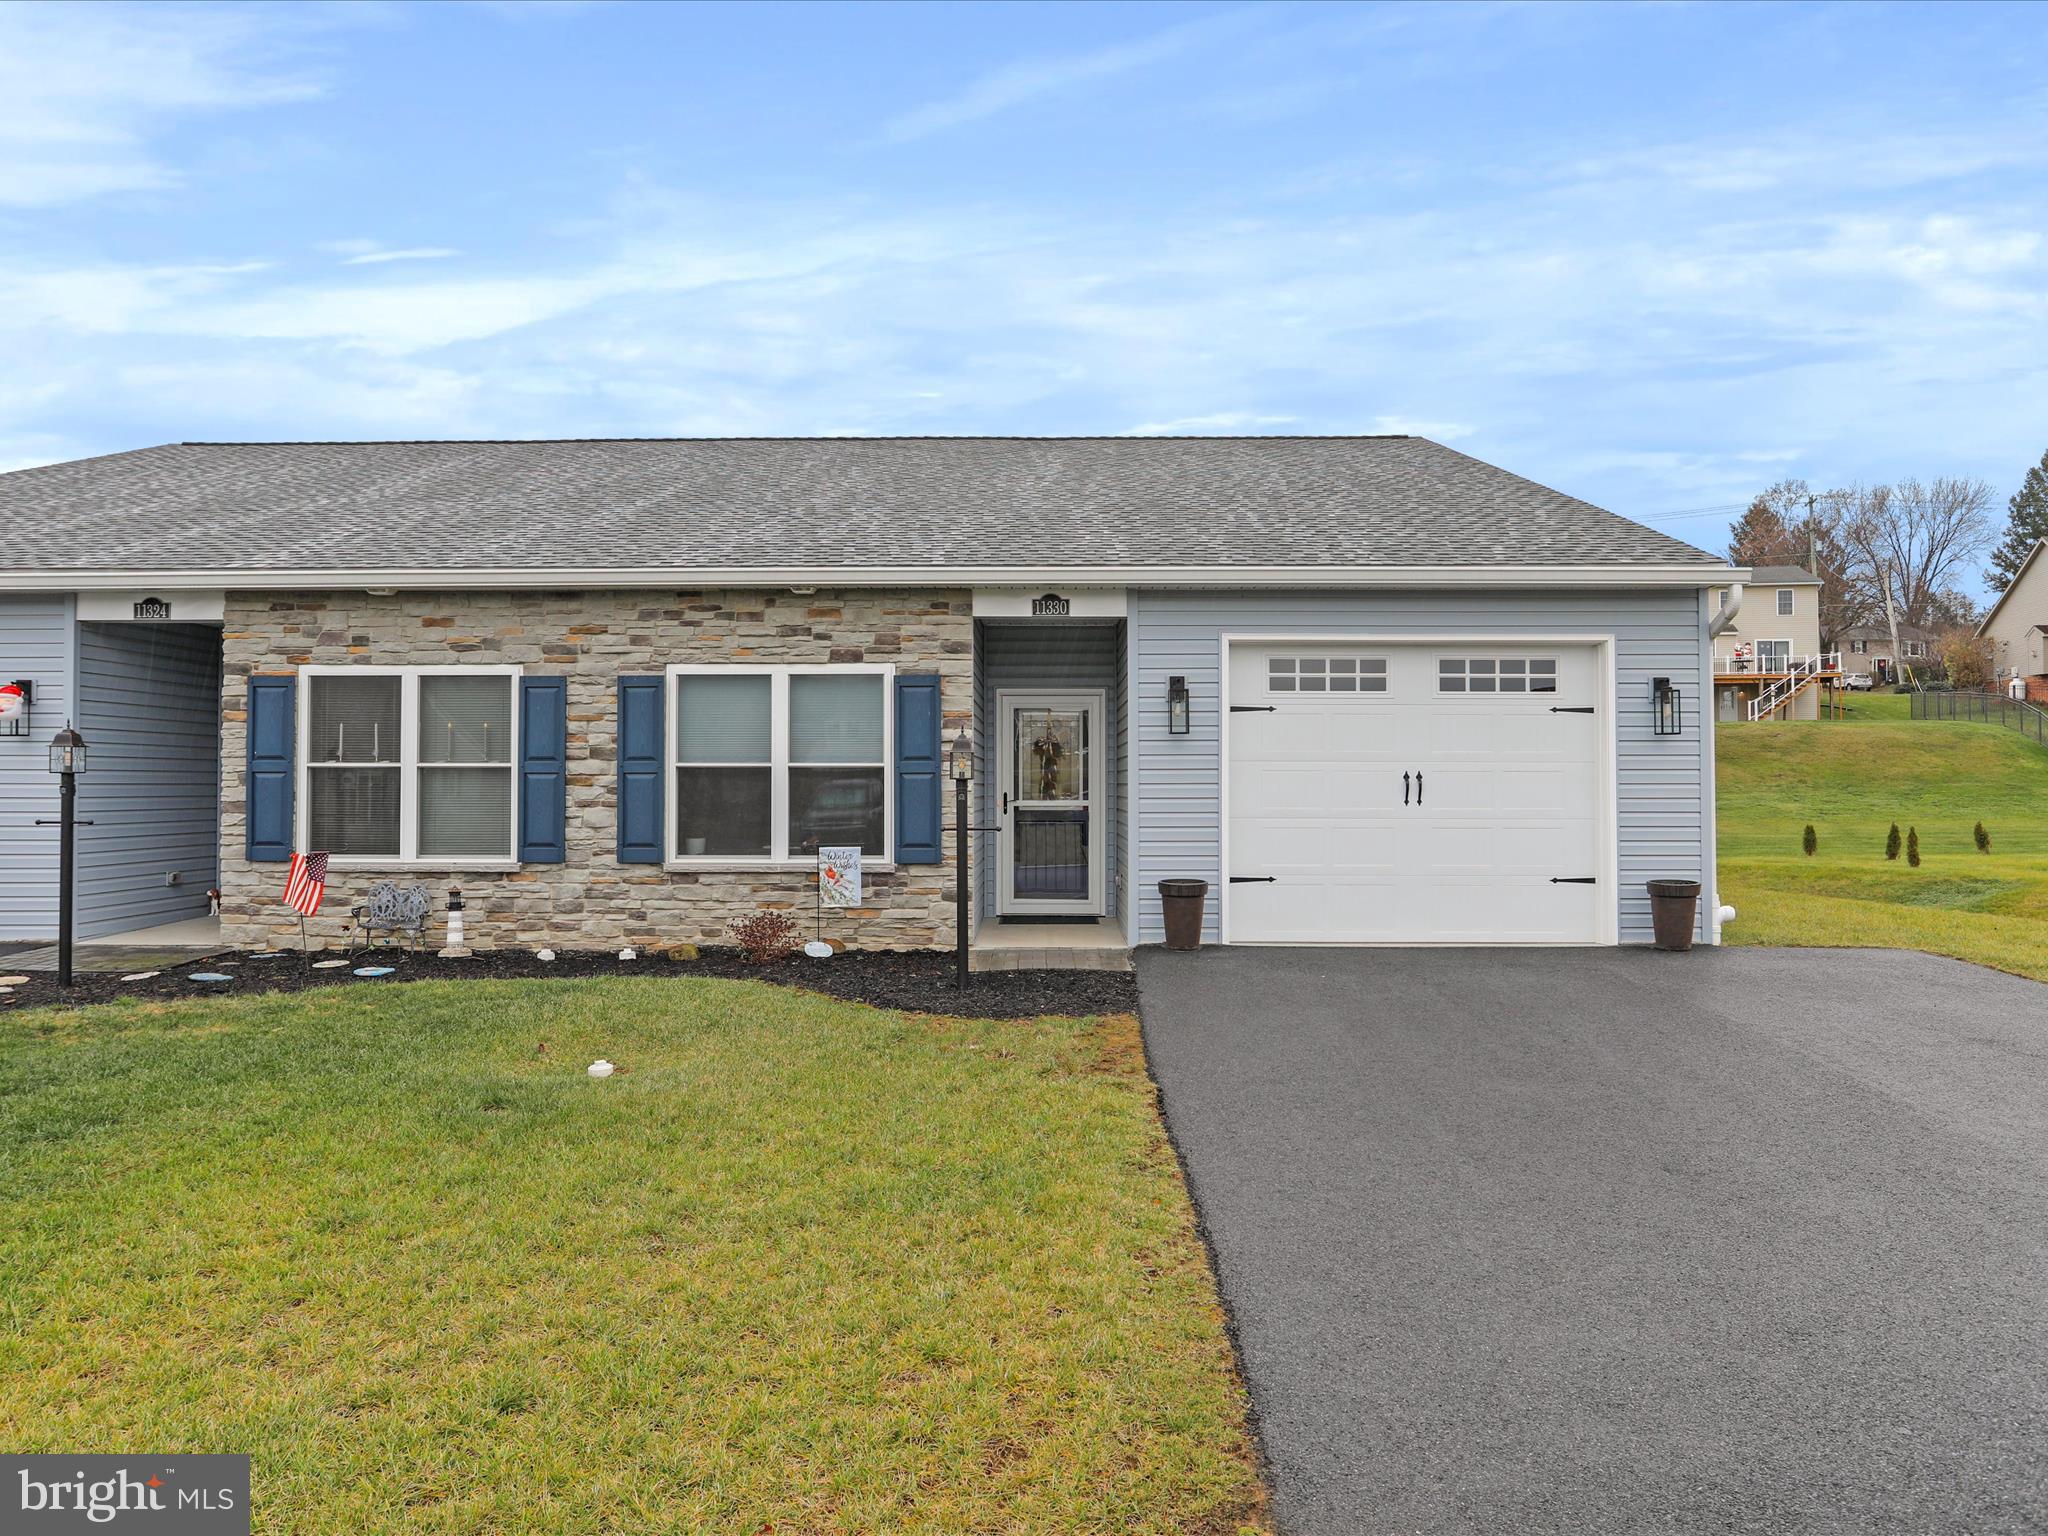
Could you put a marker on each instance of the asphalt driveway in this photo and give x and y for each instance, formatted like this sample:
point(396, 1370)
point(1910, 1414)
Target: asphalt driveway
point(1545, 1240)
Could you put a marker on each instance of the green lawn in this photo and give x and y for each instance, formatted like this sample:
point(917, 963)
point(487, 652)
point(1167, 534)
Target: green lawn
point(803, 1267)
point(1852, 779)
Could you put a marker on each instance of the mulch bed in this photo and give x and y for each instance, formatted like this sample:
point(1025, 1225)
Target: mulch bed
point(914, 981)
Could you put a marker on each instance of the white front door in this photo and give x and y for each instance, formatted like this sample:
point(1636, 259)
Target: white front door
point(1416, 794)
point(1049, 800)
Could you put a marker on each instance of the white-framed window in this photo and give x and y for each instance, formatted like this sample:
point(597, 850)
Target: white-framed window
point(404, 765)
point(1916, 647)
point(1326, 674)
point(1784, 602)
point(769, 763)
point(1723, 595)
point(1496, 674)
point(1859, 647)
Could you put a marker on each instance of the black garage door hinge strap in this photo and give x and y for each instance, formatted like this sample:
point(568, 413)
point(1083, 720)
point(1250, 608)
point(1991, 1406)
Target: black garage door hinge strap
point(1574, 880)
point(1253, 879)
point(1253, 709)
point(1571, 709)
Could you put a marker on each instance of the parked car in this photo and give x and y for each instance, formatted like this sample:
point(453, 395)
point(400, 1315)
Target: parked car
point(1859, 682)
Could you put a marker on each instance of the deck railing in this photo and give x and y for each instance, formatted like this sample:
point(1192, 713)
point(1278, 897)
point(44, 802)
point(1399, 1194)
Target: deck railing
point(1984, 708)
point(1727, 664)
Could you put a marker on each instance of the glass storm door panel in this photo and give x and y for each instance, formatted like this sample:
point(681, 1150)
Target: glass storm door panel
point(1049, 801)
point(1773, 655)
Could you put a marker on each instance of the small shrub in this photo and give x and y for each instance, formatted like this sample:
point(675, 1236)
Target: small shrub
point(1913, 846)
point(1809, 841)
point(1891, 842)
point(1983, 838)
point(766, 936)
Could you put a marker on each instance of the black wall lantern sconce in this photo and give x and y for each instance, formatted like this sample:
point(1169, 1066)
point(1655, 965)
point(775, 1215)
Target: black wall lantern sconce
point(1665, 707)
point(1177, 706)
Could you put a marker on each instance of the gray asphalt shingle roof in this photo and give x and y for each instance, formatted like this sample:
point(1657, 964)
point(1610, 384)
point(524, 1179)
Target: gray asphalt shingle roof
point(779, 502)
point(1782, 576)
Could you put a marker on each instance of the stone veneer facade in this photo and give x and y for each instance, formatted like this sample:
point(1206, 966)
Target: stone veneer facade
point(591, 638)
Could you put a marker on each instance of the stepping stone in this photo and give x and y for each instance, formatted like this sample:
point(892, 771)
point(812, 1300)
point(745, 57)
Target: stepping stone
point(208, 976)
point(13, 981)
point(141, 975)
point(328, 965)
point(374, 970)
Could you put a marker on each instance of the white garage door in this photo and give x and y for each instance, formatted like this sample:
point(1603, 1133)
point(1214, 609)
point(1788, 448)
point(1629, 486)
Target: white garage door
point(1415, 794)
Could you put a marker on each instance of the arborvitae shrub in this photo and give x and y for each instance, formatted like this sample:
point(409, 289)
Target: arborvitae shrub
point(1913, 846)
point(1810, 840)
point(1983, 838)
point(1891, 842)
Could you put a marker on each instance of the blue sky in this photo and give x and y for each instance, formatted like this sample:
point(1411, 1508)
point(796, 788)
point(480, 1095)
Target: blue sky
point(1656, 256)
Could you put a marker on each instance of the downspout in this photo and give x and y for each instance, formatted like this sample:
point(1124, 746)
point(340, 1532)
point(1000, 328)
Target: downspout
point(1717, 625)
point(1720, 621)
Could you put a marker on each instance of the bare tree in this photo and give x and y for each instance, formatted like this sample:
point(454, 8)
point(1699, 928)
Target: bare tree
point(1913, 541)
point(1791, 524)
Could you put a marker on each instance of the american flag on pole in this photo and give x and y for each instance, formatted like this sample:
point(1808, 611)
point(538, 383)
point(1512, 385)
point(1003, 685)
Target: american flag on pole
point(306, 884)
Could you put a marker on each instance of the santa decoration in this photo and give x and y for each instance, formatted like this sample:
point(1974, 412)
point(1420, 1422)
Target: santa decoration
point(13, 701)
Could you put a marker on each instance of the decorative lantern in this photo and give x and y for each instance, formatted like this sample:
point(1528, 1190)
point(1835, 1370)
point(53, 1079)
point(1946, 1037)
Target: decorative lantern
point(1177, 706)
point(67, 752)
point(1665, 707)
point(962, 758)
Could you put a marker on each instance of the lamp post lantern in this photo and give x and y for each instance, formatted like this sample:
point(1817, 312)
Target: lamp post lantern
point(963, 774)
point(67, 761)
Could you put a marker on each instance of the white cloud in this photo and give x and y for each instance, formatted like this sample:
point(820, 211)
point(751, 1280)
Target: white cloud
point(1406, 426)
point(1028, 80)
point(1220, 421)
point(83, 88)
point(415, 253)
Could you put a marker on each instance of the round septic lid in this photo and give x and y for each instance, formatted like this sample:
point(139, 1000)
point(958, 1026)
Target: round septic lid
point(208, 976)
point(374, 970)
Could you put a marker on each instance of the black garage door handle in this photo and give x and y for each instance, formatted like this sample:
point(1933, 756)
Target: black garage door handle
point(1574, 880)
point(1253, 879)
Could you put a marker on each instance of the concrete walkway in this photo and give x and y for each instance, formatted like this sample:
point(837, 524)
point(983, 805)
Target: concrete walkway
point(1615, 1241)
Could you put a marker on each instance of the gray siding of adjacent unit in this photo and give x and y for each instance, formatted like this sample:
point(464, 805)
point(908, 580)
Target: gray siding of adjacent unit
point(1664, 785)
point(1048, 655)
point(35, 643)
point(149, 709)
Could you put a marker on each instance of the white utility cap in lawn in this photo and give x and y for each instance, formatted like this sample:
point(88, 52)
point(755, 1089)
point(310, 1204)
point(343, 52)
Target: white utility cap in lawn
point(602, 1068)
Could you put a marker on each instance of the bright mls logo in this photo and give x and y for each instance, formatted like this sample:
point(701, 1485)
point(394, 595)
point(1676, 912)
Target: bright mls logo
point(162, 1495)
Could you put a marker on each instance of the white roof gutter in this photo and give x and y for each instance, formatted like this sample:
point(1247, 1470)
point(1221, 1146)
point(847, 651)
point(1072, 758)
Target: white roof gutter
point(1043, 577)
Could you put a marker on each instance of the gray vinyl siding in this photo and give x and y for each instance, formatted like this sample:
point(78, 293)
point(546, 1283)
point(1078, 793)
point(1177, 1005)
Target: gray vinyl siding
point(1042, 654)
point(149, 709)
point(35, 643)
point(1664, 785)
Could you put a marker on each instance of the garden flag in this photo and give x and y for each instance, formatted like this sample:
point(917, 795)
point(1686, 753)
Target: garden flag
point(306, 884)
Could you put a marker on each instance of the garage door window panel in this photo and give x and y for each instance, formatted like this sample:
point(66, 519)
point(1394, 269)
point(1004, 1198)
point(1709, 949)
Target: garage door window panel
point(1496, 674)
point(1326, 674)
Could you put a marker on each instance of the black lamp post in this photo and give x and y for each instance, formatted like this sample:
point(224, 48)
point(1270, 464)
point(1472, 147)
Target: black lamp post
point(67, 761)
point(963, 774)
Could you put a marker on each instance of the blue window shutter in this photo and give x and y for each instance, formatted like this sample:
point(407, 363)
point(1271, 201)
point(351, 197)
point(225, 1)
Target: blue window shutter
point(543, 770)
point(919, 760)
point(273, 768)
point(640, 739)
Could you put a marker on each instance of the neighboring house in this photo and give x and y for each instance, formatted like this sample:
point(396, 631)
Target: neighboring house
point(1770, 651)
point(1867, 649)
point(1371, 689)
point(2017, 626)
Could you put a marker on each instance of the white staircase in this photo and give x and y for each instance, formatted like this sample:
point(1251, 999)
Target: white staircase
point(1779, 696)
